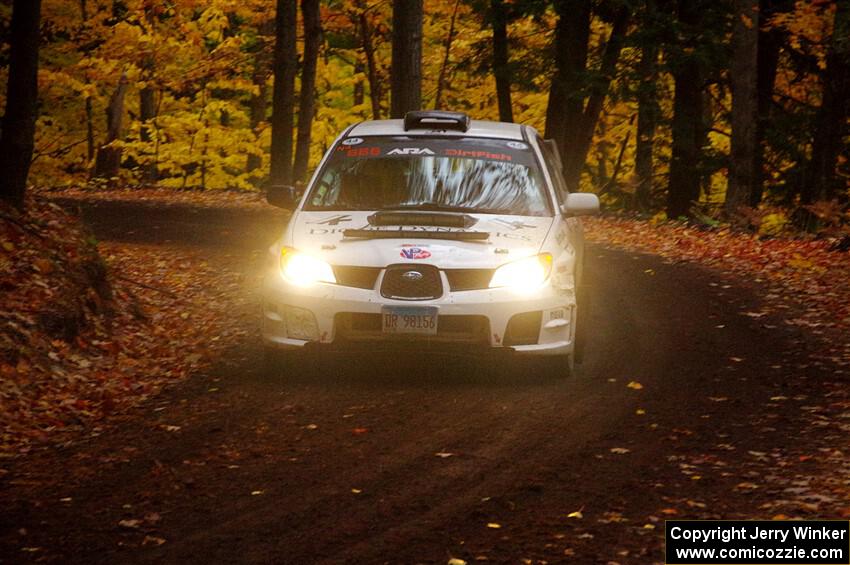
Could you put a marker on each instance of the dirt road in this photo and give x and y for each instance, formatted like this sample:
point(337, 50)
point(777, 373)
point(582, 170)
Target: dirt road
point(421, 459)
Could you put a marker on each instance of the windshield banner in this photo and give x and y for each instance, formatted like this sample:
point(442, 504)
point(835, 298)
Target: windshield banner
point(406, 147)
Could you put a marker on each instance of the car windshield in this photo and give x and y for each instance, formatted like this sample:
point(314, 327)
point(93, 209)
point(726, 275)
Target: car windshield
point(487, 176)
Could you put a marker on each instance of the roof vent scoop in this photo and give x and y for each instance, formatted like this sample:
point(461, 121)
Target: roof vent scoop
point(436, 119)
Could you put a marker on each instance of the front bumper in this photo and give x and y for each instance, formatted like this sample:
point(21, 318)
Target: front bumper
point(469, 321)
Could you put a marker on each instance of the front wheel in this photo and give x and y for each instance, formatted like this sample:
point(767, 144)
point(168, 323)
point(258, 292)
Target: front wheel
point(582, 319)
point(278, 362)
point(560, 366)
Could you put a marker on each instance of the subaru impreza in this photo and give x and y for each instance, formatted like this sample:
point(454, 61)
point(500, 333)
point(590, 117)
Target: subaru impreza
point(435, 232)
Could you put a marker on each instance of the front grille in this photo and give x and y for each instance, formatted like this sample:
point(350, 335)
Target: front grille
point(356, 326)
point(523, 329)
point(358, 277)
point(468, 279)
point(412, 282)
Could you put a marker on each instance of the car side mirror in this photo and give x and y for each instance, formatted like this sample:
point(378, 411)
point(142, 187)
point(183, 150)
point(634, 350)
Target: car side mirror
point(282, 195)
point(580, 204)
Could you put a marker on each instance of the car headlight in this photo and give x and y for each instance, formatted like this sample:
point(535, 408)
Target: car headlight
point(304, 270)
point(525, 274)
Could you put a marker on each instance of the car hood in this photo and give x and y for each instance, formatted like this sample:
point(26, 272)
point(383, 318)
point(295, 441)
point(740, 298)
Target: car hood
point(510, 237)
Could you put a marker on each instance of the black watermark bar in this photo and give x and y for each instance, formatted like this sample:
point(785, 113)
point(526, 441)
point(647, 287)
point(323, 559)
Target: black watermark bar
point(757, 542)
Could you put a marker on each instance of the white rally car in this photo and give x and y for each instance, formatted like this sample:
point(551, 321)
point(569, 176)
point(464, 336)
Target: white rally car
point(432, 231)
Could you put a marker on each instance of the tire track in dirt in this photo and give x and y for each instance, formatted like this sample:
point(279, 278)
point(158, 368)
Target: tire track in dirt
point(527, 449)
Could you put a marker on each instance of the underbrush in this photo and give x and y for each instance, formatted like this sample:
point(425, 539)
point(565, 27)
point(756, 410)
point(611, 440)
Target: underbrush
point(88, 329)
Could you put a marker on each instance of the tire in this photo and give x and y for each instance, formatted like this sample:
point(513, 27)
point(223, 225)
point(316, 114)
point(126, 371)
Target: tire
point(278, 362)
point(560, 366)
point(583, 306)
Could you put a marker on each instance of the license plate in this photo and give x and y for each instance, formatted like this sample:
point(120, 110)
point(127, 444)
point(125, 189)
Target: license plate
point(409, 320)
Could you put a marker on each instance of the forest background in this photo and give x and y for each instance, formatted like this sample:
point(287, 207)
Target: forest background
point(731, 110)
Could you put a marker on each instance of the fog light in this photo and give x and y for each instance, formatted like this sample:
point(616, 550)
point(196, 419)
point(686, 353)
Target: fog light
point(301, 324)
point(523, 329)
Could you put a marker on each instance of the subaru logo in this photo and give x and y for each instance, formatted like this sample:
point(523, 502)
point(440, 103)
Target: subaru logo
point(413, 275)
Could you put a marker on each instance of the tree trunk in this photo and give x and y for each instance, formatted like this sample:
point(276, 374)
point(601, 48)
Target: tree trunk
point(306, 103)
point(359, 90)
point(283, 101)
point(576, 153)
point(566, 97)
point(501, 58)
point(684, 183)
point(375, 89)
point(84, 16)
point(90, 149)
point(743, 74)
point(447, 51)
point(821, 181)
point(108, 159)
point(147, 105)
point(258, 105)
point(18, 137)
point(769, 44)
point(648, 112)
point(147, 115)
point(406, 71)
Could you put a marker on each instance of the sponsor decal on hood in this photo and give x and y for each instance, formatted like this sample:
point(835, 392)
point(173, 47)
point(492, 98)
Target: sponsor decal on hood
point(414, 252)
point(505, 236)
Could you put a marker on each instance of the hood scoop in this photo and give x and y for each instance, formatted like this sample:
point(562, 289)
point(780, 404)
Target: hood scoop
point(447, 220)
point(401, 233)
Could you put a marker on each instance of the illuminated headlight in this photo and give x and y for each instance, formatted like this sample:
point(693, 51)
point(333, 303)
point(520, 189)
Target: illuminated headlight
point(302, 269)
point(524, 275)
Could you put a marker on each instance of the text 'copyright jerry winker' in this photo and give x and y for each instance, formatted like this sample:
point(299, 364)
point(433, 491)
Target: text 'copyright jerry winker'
point(757, 542)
